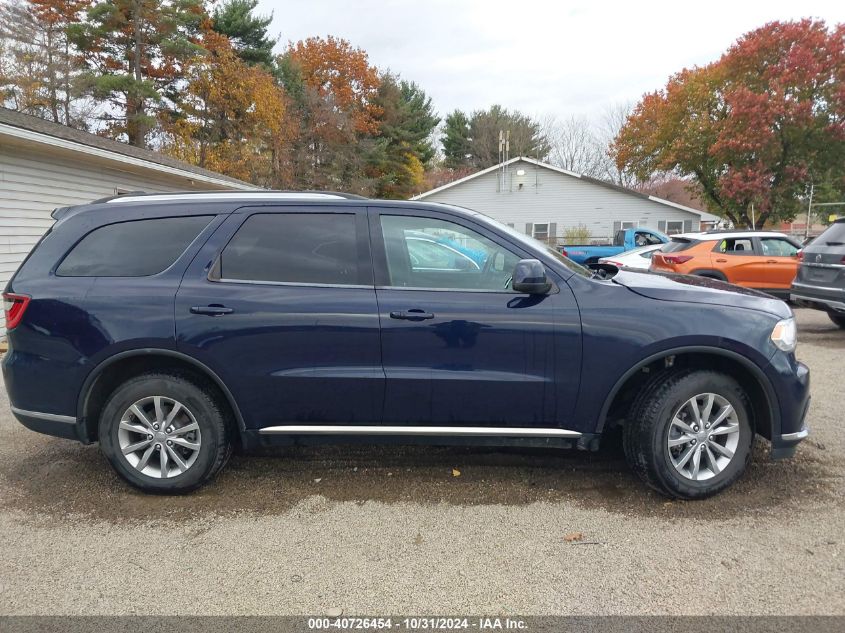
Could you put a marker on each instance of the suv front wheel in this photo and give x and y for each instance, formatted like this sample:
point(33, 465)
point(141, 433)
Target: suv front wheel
point(690, 434)
point(163, 433)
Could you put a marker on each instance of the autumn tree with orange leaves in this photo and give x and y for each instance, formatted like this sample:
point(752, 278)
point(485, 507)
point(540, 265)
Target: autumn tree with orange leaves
point(233, 117)
point(754, 129)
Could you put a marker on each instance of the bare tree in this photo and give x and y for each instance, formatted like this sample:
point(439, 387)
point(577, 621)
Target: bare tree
point(38, 72)
point(610, 122)
point(574, 145)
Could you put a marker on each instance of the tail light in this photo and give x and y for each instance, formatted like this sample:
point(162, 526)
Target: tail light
point(14, 306)
point(676, 259)
point(563, 252)
point(800, 256)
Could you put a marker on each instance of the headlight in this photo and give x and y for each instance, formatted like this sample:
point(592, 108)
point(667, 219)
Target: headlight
point(785, 335)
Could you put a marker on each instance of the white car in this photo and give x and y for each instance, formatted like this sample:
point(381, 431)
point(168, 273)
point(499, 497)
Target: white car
point(638, 258)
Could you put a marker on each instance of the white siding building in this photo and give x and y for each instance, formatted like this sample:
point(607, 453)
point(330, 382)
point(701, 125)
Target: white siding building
point(44, 165)
point(543, 201)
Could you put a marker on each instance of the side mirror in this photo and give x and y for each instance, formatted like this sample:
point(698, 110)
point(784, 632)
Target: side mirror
point(529, 276)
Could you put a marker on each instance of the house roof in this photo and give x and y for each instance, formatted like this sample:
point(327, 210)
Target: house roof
point(596, 181)
point(27, 127)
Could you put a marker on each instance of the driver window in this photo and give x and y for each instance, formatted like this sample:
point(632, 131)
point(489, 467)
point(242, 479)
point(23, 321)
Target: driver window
point(431, 253)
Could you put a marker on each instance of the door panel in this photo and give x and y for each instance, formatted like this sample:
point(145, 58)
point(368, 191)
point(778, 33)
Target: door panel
point(457, 348)
point(781, 262)
point(297, 351)
point(737, 260)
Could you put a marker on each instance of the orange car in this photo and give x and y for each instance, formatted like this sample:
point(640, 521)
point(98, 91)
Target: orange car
point(755, 259)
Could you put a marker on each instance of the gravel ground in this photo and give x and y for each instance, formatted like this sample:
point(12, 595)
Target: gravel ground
point(393, 531)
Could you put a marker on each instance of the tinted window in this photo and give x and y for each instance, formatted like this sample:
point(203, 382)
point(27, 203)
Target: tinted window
point(676, 244)
point(778, 247)
point(316, 248)
point(430, 253)
point(834, 235)
point(132, 249)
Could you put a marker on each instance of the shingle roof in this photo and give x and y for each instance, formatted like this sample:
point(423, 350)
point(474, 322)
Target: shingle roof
point(48, 128)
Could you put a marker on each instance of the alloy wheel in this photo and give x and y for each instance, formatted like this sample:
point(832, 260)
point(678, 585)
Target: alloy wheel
point(703, 436)
point(159, 437)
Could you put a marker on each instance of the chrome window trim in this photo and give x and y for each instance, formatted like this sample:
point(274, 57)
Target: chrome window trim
point(477, 431)
point(476, 290)
point(296, 284)
point(52, 417)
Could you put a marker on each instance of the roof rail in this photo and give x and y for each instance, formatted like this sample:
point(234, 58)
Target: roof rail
point(263, 193)
point(140, 192)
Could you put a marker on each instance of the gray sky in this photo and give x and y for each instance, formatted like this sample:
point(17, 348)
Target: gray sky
point(542, 57)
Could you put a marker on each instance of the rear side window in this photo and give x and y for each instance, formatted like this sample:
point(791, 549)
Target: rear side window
point(834, 235)
point(676, 244)
point(132, 249)
point(736, 246)
point(311, 248)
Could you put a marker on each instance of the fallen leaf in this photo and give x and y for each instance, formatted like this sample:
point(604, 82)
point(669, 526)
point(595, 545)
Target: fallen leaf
point(573, 536)
point(318, 480)
point(456, 472)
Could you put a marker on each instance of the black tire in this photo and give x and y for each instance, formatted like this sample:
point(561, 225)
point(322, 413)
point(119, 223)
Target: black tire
point(647, 430)
point(838, 319)
point(211, 416)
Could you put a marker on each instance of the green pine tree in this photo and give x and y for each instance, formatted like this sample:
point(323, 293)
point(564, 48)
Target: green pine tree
point(457, 146)
point(247, 31)
point(135, 52)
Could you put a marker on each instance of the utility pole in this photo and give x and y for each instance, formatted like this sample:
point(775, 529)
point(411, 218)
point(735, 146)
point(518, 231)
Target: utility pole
point(809, 213)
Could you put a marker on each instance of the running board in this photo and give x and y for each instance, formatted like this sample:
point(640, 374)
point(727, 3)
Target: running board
point(466, 431)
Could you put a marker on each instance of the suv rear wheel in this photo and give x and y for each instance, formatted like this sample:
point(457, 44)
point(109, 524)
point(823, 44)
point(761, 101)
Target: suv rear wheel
point(838, 319)
point(690, 435)
point(164, 433)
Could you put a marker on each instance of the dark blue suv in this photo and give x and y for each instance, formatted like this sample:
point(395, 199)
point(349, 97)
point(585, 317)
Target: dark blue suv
point(173, 327)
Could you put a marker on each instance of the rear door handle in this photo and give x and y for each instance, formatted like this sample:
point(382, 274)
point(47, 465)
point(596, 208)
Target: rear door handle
point(212, 310)
point(722, 261)
point(771, 261)
point(414, 314)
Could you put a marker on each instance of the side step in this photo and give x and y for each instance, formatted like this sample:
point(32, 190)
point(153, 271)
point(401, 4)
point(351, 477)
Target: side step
point(464, 431)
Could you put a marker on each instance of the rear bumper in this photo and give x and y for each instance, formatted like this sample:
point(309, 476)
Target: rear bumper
point(48, 423)
point(818, 297)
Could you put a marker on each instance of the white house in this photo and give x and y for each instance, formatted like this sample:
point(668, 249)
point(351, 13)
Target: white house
point(543, 201)
point(44, 165)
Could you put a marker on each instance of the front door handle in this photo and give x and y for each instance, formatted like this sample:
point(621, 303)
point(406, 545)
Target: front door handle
point(722, 261)
point(212, 310)
point(414, 314)
point(771, 261)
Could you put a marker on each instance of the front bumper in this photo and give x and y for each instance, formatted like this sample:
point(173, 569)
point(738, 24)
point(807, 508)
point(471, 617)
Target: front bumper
point(791, 382)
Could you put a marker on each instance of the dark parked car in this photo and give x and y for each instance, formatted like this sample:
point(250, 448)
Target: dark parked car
point(820, 282)
point(171, 328)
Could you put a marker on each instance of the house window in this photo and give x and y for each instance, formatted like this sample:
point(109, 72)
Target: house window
point(541, 232)
point(674, 227)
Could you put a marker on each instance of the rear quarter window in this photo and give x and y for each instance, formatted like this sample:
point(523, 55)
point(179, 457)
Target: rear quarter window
point(137, 248)
point(834, 235)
